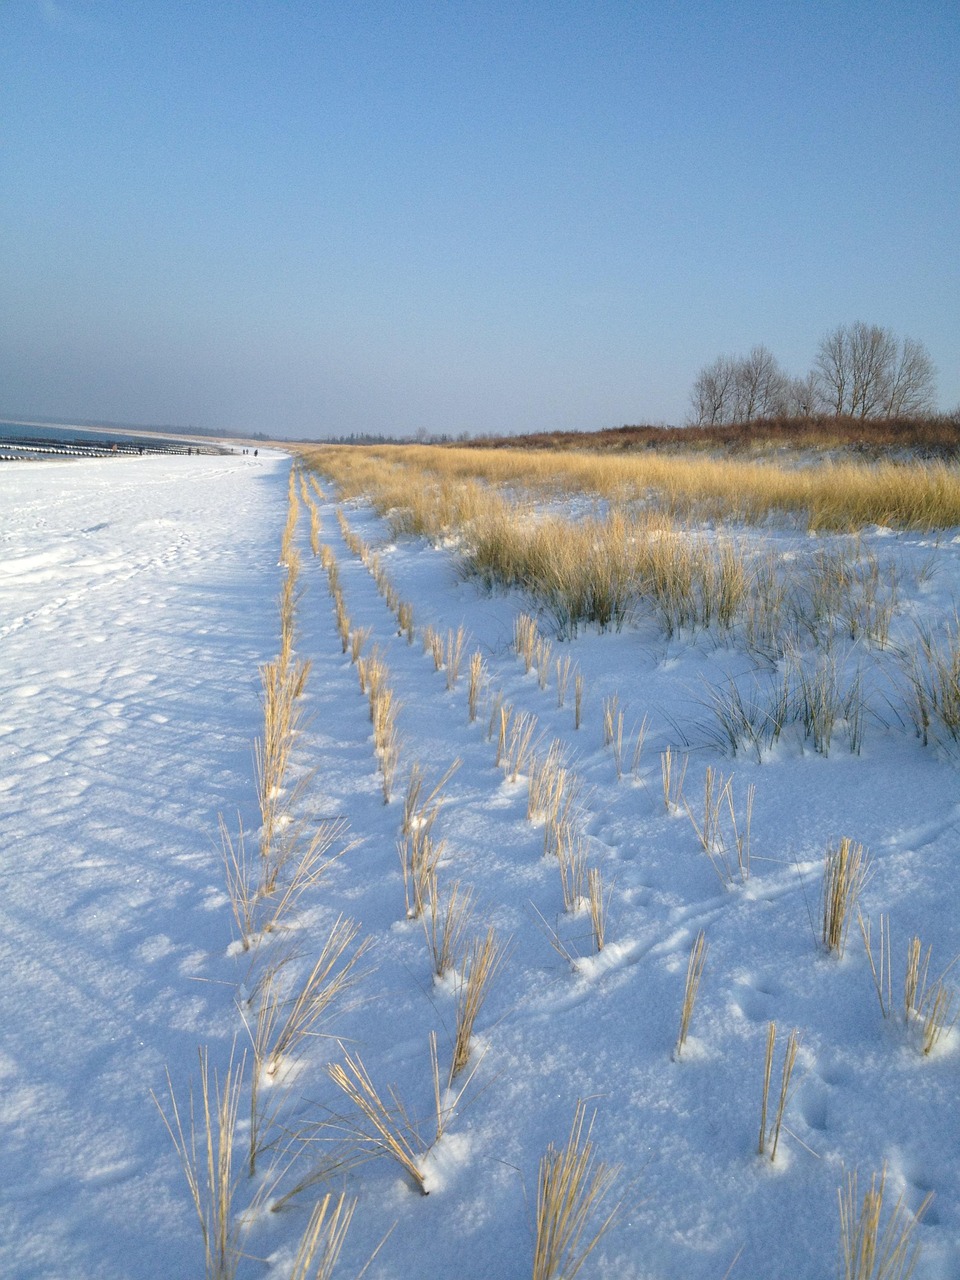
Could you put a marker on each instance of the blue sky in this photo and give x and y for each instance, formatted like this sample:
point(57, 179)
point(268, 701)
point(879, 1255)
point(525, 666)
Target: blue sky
point(313, 218)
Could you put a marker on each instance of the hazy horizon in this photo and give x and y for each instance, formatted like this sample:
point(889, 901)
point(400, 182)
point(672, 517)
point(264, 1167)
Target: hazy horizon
point(316, 220)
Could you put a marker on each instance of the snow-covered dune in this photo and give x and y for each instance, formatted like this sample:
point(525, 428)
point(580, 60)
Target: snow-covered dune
point(138, 599)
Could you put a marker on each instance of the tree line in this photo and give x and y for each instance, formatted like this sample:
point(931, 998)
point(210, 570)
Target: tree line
point(859, 371)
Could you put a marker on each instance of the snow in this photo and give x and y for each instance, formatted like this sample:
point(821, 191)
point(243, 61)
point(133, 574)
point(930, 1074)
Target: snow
point(138, 598)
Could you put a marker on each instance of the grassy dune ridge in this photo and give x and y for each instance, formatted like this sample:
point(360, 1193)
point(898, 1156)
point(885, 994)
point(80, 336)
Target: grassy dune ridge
point(834, 496)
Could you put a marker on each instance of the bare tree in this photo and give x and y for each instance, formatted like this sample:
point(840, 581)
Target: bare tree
point(740, 388)
point(867, 372)
point(910, 385)
point(713, 393)
point(761, 386)
point(831, 369)
point(872, 353)
point(802, 396)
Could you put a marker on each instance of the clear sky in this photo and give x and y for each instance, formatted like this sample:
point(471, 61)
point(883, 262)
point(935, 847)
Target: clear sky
point(462, 215)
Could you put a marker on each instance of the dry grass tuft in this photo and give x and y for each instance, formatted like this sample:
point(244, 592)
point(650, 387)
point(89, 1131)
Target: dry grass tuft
point(481, 962)
point(572, 859)
point(695, 964)
point(673, 773)
point(300, 860)
point(541, 660)
point(525, 638)
point(284, 1018)
point(405, 620)
point(445, 924)
point(476, 683)
point(789, 1059)
point(205, 1146)
point(720, 831)
point(419, 853)
point(845, 872)
point(563, 679)
point(613, 730)
point(880, 962)
point(323, 1239)
point(578, 687)
point(597, 906)
point(932, 670)
point(866, 1252)
point(389, 1130)
point(520, 741)
point(931, 1004)
point(242, 882)
point(571, 1188)
point(358, 638)
point(453, 655)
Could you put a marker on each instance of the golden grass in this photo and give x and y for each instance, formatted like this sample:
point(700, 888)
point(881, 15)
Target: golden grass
point(832, 496)
point(358, 638)
point(572, 1186)
point(419, 856)
point(541, 660)
point(519, 732)
point(554, 789)
point(405, 620)
point(719, 830)
point(525, 638)
point(597, 906)
point(932, 670)
point(879, 961)
point(419, 852)
point(243, 882)
point(285, 1018)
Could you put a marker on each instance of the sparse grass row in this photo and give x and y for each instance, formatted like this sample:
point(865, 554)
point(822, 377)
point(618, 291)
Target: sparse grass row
point(931, 671)
point(823, 697)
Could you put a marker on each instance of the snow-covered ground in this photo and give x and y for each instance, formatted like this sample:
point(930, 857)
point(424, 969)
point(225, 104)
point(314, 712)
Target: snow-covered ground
point(137, 599)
